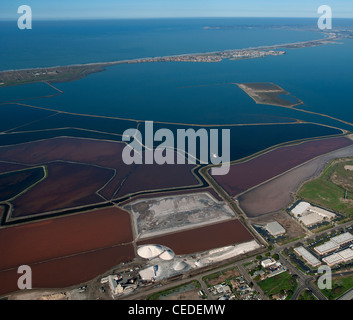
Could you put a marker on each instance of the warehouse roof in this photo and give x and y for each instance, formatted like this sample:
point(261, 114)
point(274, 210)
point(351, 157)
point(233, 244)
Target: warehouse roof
point(311, 218)
point(333, 259)
point(275, 228)
point(322, 212)
point(342, 238)
point(346, 254)
point(310, 258)
point(300, 208)
point(326, 247)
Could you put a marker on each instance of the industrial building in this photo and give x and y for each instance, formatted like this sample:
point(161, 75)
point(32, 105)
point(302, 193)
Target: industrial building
point(333, 259)
point(342, 238)
point(310, 215)
point(346, 254)
point(334, 243)
point(326, 247)
point(310, 219)
point(268, 263)
point(300, 208)
point(275, 229)
point(307, 256)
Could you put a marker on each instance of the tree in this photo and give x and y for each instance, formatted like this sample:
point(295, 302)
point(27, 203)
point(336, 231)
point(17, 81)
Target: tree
point(275, 256)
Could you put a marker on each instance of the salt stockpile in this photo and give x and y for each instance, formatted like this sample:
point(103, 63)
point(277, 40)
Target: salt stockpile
point(167, 255)
point(149, 251)
point(180, 265)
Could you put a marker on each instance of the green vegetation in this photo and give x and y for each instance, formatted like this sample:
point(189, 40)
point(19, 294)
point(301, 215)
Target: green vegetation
point(248, 264)
point(194, 284)
point(53, 74)
point(280, 284)
point(340, 285)
point(224, 276)
point(306, 295)
point(288, 240)
point(275, 256)
point(210, 277)
point(230, 273)
point(333, 189)
point(323, 227)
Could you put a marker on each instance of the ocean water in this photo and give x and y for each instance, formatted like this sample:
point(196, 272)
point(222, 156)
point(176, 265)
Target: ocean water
point(180, 92)
point(52, 43)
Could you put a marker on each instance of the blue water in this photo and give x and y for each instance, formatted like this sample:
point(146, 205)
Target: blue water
point(204, 93)
point(193, 93)
point(52, 43)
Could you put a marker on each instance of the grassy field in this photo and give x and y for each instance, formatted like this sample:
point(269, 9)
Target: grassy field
point(306, 295)
point(284, 282)
point(340, 285)
point(220, 276)
point(190, 287)
point(330, 189)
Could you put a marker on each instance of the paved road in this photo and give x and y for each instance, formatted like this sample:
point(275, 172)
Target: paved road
point(304, 281)
point(247, 277)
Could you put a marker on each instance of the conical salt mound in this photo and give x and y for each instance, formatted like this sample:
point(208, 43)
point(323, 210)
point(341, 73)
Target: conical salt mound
point(167, 255)
point(180, 266)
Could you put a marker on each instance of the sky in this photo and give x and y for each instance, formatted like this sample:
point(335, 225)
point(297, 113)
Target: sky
point(120, 9)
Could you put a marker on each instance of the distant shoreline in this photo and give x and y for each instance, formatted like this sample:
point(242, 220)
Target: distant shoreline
point(77, 71)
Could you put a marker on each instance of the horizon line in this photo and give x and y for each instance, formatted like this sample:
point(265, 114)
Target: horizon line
point(160, 18)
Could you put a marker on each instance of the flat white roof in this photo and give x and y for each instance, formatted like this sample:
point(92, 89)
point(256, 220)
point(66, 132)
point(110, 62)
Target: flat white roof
point(275, 228)
point(300, 208)
point(268, 262)
point(346, 254)
point(326, 247)
point(333, 259)
point(322, 212)
point(310, 258)
point(311, 218)
point(342, 238)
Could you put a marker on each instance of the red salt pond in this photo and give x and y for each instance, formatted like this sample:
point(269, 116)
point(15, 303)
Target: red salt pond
point(203, 238)
point(248, 174)
point(66, 250)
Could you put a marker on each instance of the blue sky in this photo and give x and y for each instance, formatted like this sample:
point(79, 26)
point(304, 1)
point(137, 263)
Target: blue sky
point(101, 9)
